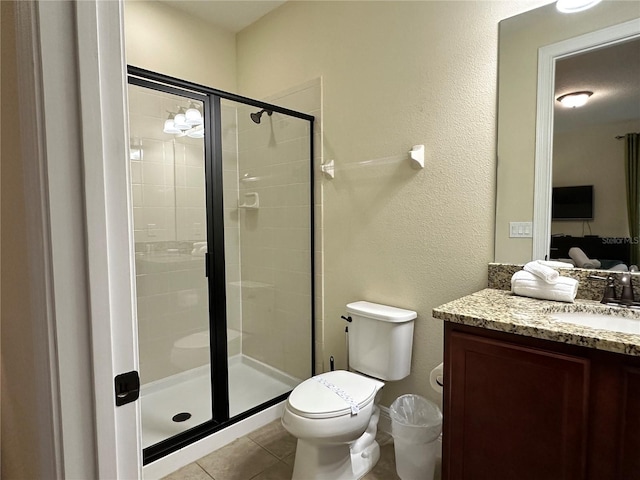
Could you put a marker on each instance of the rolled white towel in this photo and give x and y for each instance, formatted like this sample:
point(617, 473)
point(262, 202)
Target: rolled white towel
point(581, 259)
point(529, 285)
point(547, 274)
point(621, 267)
point(557, 263)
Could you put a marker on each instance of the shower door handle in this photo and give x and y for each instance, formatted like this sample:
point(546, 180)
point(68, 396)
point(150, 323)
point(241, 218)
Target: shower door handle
point(127, 388)
point(206, 264)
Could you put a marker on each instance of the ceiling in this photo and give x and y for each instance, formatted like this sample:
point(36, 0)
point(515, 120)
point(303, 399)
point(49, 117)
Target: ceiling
point(232, 16)
point(613, 75)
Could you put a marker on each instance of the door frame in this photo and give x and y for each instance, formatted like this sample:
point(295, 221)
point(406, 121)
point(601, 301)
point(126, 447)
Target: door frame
point(73, 125)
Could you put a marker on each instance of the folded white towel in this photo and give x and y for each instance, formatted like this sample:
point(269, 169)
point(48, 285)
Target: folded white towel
point(556, 263)
point(547, 274)
point(581, 259)
point(529, 285)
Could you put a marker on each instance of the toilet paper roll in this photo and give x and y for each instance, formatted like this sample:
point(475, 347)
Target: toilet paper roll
point(436, 378)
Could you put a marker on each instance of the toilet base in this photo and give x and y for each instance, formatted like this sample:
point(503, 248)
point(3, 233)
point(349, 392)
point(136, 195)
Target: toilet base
point(344, 461)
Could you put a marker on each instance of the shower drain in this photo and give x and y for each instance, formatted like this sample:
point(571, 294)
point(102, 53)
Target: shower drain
point(181, 417)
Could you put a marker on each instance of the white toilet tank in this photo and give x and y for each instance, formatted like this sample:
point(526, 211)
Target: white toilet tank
point(380, 340)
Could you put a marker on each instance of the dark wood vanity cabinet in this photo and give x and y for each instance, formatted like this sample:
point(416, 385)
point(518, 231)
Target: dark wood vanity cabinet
point(517, 408)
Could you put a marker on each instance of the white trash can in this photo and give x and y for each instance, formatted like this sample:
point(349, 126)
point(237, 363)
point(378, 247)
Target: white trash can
point(416, 424)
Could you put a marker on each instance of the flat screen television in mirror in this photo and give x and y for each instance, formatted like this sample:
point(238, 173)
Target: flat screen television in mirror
point(572, 203)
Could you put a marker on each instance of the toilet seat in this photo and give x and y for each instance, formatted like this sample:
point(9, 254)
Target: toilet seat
point(312, 399)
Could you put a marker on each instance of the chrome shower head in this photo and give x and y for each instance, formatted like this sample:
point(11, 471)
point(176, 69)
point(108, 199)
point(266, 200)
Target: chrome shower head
point(256, 116)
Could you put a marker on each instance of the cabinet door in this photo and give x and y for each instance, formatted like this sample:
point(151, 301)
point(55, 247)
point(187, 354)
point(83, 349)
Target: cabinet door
point(629, 465)
point(513, 412)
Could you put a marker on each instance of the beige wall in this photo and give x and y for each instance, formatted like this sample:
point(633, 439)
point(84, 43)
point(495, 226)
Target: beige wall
point(395, 74)
point(19, 393)
point(166, 40)
point(520, 38)
point(593, 156)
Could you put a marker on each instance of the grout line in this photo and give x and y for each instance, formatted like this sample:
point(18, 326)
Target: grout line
point(263, 448)
point(206, 473)
point(272, 466)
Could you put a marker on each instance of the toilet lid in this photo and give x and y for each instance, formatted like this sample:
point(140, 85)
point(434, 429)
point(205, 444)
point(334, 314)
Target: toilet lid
point(313, 399)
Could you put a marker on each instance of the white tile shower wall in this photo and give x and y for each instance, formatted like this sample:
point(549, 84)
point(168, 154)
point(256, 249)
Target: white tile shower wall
point(308, 98)
point(275, 239)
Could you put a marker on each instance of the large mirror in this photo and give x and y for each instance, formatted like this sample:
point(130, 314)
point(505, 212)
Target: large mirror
point(569, 152)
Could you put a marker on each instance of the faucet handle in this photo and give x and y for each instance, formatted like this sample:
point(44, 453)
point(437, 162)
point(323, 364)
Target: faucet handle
point(627, 288)
point(610, 290)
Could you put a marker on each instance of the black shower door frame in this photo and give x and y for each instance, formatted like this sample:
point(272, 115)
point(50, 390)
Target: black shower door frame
point(215, 258)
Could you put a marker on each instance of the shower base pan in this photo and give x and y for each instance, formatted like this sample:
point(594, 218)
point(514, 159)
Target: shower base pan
point(186, 396)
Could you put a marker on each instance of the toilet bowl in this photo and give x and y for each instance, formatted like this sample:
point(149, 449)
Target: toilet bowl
point(335, 419)
point(334, 415)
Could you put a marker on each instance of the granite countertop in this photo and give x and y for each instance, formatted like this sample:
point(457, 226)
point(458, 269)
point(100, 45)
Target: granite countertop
point(502, 311)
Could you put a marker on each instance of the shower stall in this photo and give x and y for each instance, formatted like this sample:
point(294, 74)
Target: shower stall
point(222, 199)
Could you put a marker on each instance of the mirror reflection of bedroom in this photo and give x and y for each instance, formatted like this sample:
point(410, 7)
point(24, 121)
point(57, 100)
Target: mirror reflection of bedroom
point(596, 194)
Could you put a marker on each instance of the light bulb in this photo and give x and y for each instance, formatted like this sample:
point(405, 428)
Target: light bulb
point(170, 127)
point(180, 120)
point(193, 116)
point(197, 132)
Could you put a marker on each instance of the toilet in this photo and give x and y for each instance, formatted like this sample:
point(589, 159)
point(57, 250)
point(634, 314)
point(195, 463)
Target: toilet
point(334, 415)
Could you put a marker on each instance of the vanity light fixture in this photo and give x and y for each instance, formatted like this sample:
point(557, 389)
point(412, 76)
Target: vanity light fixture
point(573, 6)
point(185, 123)
point(574, 99)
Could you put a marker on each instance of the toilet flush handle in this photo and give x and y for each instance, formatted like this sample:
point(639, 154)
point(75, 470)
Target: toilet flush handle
point(348, 319)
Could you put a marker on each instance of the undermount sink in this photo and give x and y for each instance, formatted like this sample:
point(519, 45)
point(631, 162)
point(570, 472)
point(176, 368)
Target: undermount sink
point(600, 321)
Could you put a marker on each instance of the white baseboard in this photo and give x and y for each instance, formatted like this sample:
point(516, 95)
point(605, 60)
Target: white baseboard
point(189, 454)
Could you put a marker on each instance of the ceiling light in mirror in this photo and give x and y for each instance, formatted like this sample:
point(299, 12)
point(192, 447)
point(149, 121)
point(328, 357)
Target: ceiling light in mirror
point(572, 6)
point(574, 99)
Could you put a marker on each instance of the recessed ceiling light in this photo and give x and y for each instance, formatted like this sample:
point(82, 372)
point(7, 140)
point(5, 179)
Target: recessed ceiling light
point(574, 99)
point(572, 6)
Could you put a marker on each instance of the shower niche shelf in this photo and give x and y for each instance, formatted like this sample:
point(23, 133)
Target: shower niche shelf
point(251, 201)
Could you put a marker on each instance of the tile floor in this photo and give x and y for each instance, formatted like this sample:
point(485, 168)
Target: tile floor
point(268, 454)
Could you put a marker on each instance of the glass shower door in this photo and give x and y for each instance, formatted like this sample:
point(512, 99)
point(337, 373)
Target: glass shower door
point(223, 225)
point(169, 210)
point(268, 252)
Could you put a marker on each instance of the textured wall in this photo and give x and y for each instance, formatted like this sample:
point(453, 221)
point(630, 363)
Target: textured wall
point(395, 74)
point(166, 40)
